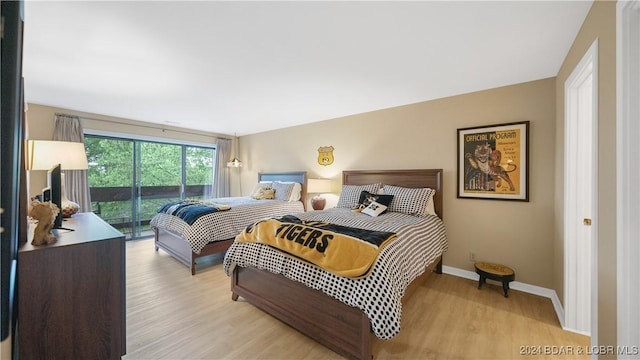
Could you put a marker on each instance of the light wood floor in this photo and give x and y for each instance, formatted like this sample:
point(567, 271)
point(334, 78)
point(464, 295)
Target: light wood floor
point(173, 315)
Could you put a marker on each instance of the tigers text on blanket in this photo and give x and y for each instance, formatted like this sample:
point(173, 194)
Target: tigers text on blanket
point(190, 211)
point(342, 250)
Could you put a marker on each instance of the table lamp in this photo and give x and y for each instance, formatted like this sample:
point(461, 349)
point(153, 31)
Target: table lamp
point(45, 154)
point(318, 186)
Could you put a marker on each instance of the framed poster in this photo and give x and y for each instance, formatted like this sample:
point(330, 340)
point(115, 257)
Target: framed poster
point(493, 162)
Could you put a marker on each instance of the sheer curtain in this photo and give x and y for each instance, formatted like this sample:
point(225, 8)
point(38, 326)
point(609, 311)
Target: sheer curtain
point(69, 128)
point(222, 181)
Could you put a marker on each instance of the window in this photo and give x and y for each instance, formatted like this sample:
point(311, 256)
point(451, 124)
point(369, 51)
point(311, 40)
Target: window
point(129, 178)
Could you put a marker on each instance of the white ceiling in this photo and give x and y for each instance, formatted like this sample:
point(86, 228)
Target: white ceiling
point(247, 67)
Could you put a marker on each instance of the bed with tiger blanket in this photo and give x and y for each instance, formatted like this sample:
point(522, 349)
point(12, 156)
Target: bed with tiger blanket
point(342, 250)
point(419, 242)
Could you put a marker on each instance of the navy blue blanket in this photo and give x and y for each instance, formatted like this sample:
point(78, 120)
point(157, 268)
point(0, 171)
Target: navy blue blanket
point(190, 211)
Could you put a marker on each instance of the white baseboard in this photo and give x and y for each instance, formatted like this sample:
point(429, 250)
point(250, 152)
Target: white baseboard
point(516, 285)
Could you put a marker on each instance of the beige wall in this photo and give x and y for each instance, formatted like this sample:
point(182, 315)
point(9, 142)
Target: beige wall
point(423, 135)
point(600, 24)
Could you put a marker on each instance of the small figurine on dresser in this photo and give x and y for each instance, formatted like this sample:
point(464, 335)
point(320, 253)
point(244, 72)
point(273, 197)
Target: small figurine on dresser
point(45, 213)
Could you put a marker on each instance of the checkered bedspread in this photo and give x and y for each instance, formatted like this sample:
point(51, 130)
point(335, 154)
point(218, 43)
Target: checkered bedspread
point(420, 241)
point(223, 225)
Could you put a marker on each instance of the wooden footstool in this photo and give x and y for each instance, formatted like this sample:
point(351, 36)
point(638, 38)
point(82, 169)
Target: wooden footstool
point(495, 272)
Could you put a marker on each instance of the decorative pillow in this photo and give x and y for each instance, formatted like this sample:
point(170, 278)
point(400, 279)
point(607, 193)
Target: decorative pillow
point(374, 209)
point(283, 190)
point(296, 192)
point(411, 201)
point(261, 185)
point(264, 194)
point(367, 198)
point(351, 194)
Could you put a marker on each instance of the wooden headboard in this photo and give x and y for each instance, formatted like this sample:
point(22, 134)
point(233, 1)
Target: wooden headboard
point(295, 176)
point(417, 178)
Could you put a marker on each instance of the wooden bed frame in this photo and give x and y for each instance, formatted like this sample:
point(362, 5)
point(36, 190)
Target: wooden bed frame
point(181, 250)
point(342, 328)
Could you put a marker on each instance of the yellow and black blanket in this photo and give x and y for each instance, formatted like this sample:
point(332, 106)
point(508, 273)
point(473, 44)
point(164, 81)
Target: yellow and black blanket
point(191, 210)
point(342, 250)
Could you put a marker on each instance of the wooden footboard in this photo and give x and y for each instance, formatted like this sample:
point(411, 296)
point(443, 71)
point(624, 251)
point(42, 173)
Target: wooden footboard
point(342, 328)
point(180, 249)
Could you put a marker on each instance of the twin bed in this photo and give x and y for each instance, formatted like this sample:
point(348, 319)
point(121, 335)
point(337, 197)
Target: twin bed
point(215, 232)
point(343, 313)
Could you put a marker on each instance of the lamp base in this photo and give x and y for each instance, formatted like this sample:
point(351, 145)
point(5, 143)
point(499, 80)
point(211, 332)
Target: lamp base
point(69, 208)
point(318, 203)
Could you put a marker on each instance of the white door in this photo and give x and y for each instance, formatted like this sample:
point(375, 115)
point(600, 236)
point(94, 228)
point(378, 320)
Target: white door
point(580, 174)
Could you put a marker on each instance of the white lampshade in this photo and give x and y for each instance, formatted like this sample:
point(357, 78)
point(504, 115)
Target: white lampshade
point(319, 186)
point(44, 154)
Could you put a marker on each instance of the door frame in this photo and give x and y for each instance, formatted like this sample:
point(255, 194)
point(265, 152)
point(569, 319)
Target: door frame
point(574, 260)
point(627, 173)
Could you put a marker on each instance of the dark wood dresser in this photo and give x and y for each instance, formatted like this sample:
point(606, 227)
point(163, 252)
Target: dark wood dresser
point(71, 294)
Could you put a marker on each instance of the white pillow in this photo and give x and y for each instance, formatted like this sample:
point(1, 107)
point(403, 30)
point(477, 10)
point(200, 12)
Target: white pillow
point(296, 193)
point(411, 201)
point(374, 209)
point(430, 209)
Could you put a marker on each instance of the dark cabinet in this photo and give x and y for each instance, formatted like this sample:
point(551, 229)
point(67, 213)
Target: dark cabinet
point(71, 294)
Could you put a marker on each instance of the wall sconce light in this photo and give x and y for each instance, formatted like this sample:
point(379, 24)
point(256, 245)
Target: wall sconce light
point(235, 163)
point(318, 186)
